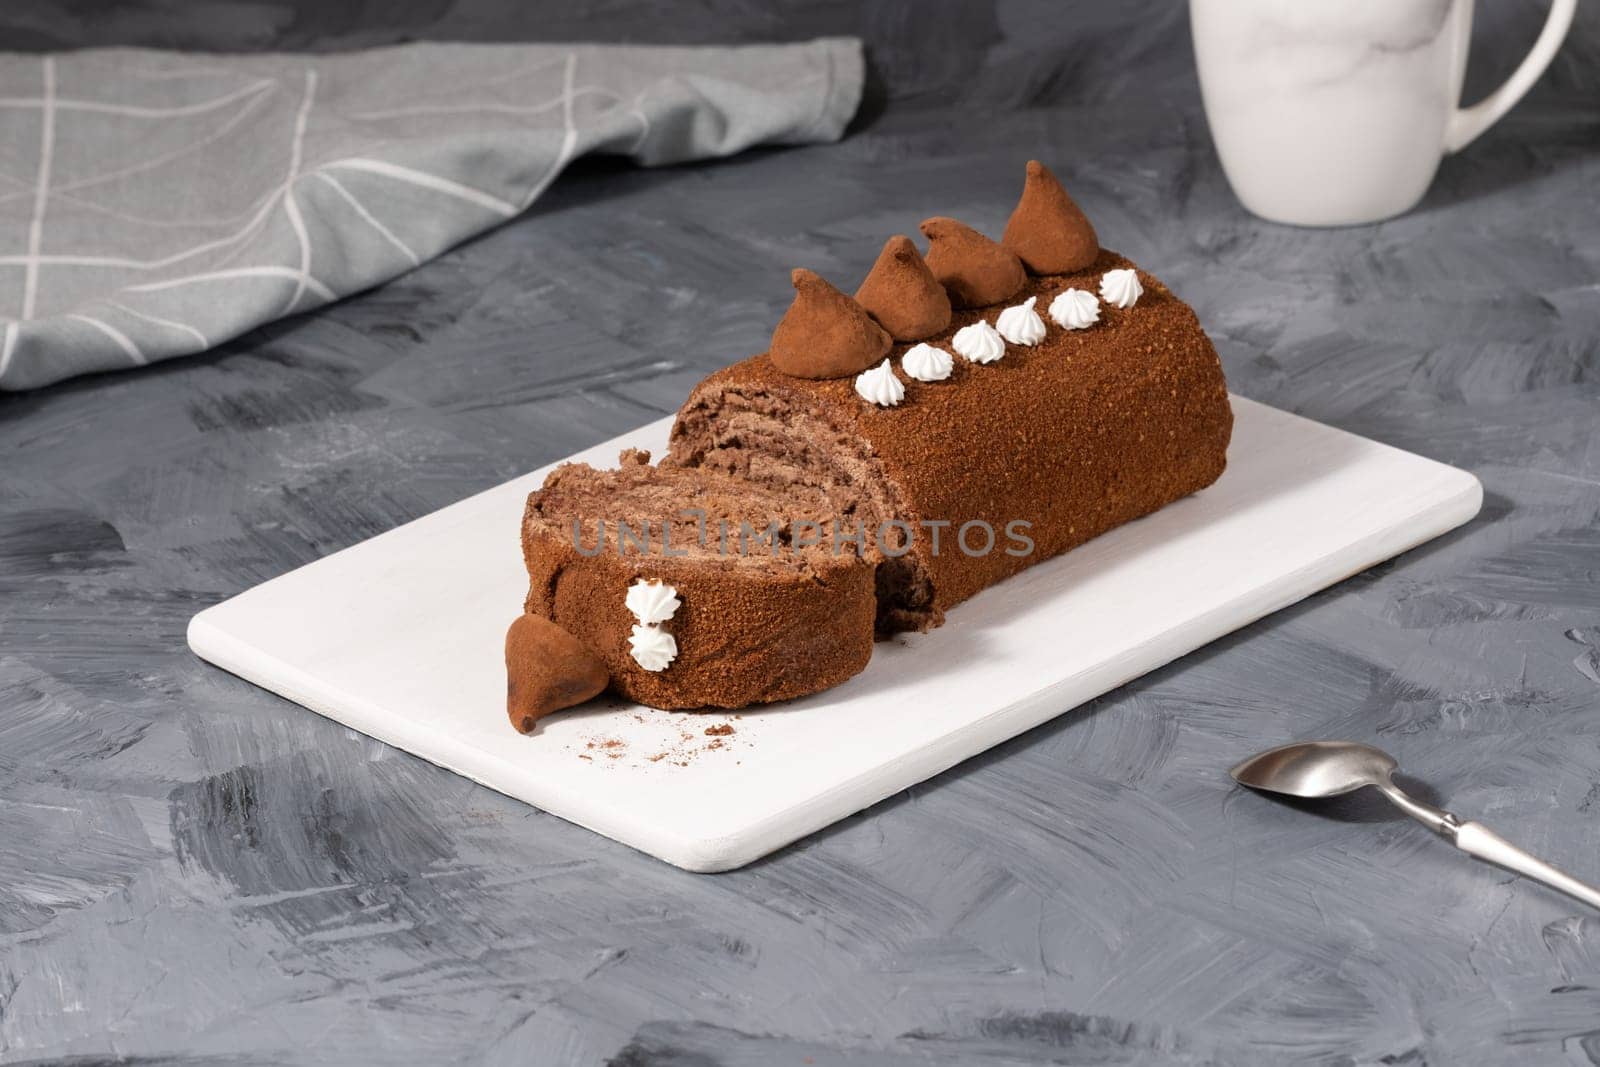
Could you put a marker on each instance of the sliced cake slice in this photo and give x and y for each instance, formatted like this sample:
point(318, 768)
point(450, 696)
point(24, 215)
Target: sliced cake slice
point(697, 588)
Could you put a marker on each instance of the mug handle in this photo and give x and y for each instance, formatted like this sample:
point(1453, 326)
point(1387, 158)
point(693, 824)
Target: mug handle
point(1467, 123)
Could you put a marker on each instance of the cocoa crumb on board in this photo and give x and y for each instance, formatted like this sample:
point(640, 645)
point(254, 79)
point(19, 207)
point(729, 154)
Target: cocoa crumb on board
point(691, 742)
point(612, 748)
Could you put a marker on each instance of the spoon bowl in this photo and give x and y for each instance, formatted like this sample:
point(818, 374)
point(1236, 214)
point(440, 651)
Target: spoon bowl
point(1316, 769)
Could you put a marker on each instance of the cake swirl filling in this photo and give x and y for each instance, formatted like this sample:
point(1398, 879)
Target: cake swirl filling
point(763, 437)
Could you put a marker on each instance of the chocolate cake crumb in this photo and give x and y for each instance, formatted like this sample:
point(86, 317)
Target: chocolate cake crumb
point(687, 740)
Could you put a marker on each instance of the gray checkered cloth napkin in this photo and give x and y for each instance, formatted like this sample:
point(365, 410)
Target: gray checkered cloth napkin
point(154, 204)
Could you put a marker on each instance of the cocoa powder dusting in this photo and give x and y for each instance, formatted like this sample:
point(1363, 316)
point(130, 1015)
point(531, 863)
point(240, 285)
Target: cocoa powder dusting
point(689, 744)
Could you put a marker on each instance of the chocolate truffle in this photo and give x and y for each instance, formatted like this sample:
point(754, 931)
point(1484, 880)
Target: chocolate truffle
point(825, 334)
point(974, 270)
point(1047, 230)
point(547, 669)
point(902, 293)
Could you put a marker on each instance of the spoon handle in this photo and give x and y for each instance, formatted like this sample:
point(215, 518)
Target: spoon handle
point(1478, 840)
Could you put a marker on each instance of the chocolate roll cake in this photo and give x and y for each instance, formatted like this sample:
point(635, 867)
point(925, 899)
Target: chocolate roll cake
point(1070, 436)
point(695, 588)
point(964, 416)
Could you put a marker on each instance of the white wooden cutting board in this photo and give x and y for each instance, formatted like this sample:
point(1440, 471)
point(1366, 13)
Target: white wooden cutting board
point(401, 637)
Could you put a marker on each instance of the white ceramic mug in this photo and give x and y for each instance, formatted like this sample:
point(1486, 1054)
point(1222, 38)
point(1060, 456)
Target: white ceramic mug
point(1332, 112)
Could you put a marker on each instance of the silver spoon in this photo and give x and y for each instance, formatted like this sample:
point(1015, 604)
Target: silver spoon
point(1331, 768)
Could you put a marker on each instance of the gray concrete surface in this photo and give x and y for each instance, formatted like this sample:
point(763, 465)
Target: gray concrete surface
point(194, 871)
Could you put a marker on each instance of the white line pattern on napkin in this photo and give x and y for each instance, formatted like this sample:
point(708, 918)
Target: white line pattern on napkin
point(170, 208)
